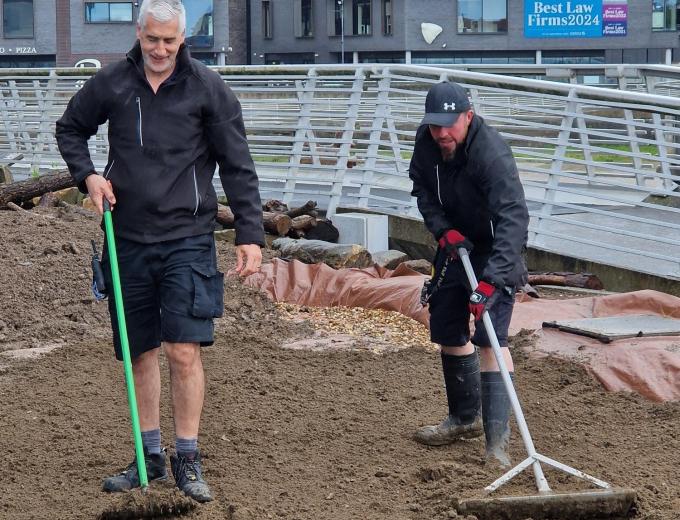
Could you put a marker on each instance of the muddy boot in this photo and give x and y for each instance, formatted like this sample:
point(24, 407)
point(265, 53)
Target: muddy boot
point(187, 470)
point(496, 415)
point(461, 376)
point(448, 431)
point(129, 478)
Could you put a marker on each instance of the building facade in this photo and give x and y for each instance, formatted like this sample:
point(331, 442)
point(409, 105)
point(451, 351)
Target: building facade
point(464, 31)
point(48, 33)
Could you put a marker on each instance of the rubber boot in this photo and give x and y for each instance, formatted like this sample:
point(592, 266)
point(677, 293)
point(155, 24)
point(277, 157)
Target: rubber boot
point(496, 417)
point(462, 380)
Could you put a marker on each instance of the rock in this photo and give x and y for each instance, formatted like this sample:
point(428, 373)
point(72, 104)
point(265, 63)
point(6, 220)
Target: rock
point(69, 195)
point(6, 175)
point(88, 204)
point(420, 266)
point(390, 259)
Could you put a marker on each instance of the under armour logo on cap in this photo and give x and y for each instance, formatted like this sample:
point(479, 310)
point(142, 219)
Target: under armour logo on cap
point(444, 103)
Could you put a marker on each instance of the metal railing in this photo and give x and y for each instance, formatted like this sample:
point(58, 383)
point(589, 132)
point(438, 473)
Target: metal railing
point(600, 166)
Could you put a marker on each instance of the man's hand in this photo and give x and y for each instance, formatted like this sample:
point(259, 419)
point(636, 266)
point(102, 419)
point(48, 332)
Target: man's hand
point(451, 240)
point(248, 260)
point(98, 188)
point(482, 299)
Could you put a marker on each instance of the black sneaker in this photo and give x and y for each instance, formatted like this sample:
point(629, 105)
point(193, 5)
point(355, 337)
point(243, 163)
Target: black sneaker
point(186, 468)
point(129, 478)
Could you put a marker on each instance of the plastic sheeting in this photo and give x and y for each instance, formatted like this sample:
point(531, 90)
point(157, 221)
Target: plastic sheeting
point(649, 366)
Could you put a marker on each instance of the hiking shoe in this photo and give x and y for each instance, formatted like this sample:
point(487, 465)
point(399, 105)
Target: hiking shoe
point(129, 478)
point(186, 468)
point(448, 431)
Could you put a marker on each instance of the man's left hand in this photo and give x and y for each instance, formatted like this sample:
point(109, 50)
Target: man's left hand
point(248, 260)
point(482, 299)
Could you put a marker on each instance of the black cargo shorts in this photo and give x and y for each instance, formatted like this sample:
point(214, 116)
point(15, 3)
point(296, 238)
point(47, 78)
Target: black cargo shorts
point(449, 312)
point(171, 292)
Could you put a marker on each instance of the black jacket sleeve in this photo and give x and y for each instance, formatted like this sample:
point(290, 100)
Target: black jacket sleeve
point(500, 181)
point(429, 205)
point(86, 110)
point(227, 139)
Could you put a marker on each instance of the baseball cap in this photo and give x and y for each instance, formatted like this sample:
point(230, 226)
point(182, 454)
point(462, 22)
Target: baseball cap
point(444, 103)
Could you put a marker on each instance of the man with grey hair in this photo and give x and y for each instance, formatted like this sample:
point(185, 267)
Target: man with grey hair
point(171, 121)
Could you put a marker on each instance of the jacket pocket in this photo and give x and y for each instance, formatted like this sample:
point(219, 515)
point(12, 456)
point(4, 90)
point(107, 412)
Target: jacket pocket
point(208, 291)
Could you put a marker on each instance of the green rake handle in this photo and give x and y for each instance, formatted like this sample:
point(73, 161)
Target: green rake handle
point(125, 346)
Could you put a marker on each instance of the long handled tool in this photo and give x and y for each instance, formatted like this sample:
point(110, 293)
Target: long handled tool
point(125, 346)
point(606, 501)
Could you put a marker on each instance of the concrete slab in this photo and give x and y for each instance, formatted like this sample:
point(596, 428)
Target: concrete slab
point(619, 327)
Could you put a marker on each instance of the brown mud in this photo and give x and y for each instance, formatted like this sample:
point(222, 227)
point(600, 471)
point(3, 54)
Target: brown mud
point(285, 433)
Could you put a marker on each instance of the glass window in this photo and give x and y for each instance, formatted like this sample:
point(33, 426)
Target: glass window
point(121, 12)
point(336, 20)
point(304, 22)
point(361, 17)
point(387, 17)
point(290, 58)
point(482, 16)
point(664, 15)
point(199, 31)
point(267, 19)
point(17, 18)
point(107, 12)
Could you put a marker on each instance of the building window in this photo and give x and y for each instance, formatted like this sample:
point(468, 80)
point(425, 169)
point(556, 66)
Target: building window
point(304, 22)
point(361, 17)
point(17, 19)
point(482, 16)
point(335, 17)
point(199, 30)
point(267, 28)
point(664, 15)
point(108, 12)
point(387, 17)
point(290, 58)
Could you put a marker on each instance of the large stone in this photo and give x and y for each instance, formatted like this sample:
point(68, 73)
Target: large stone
point(6, 175)
point(390, 259)
point(420, 266)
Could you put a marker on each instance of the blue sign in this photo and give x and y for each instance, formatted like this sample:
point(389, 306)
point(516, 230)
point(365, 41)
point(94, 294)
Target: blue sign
point(563, 18)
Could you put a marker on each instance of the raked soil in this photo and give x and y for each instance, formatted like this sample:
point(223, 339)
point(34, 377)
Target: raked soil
point(285, 433)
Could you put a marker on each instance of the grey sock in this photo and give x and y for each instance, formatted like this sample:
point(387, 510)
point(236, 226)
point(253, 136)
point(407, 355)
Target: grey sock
point(186, 445)
point(151, 440)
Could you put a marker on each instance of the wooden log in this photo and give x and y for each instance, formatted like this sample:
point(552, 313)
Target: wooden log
point(317, 251)
point(305, 209)
point(581, 280)
point(22, 191)
point(303, 223)
point(274, 205)
point(274, 223)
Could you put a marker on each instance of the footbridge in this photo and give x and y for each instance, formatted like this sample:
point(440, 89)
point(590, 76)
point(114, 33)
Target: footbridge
point(598, 148)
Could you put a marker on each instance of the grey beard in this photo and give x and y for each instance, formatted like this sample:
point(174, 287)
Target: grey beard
point(448, 156)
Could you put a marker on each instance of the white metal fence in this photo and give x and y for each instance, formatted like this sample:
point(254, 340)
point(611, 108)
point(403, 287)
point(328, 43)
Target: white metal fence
point(600, 166)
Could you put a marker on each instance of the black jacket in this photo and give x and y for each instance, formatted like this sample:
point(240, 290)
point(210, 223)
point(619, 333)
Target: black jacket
point(479, 194)
point(163, 149)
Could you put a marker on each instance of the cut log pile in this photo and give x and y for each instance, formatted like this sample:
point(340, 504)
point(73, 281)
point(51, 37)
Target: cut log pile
point(279, 220)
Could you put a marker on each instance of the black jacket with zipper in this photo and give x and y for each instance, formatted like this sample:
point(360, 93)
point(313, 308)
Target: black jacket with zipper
point(479, 193)
point(163, 149)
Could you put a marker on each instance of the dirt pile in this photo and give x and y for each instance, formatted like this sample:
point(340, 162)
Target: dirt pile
point(286, 433)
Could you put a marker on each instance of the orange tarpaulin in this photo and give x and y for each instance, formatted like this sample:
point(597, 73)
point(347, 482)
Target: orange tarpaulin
point(647, 365)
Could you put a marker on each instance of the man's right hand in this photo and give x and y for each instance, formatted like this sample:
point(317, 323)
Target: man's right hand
point(98, 188)
point(451, 240)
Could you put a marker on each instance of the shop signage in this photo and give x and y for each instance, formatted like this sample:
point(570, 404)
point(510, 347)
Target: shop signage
point(575, 18)
point(18, 50)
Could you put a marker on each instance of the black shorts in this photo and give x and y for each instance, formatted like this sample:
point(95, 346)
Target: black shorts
point(449, 312)
point(171, 292)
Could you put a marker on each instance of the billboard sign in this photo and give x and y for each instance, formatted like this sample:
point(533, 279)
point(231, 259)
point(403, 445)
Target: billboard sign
point(575, 18)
